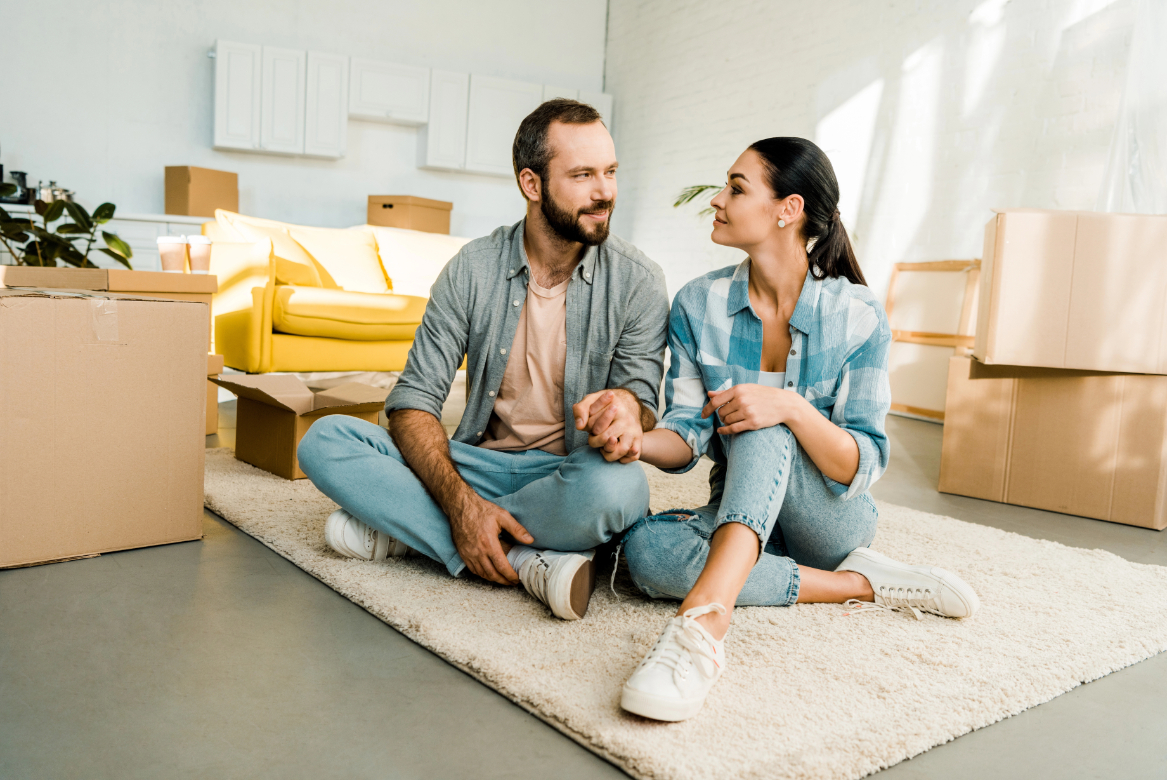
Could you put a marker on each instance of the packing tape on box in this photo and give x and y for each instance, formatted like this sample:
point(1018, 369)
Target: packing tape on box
point(105, 318)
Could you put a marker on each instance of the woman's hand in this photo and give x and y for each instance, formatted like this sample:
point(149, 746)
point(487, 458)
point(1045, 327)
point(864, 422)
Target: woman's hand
point(750, 407)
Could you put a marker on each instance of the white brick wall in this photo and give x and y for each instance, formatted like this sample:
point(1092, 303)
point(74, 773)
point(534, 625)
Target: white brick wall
point(934, 112)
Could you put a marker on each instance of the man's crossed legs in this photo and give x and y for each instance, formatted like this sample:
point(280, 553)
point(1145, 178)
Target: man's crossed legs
point(572, 503)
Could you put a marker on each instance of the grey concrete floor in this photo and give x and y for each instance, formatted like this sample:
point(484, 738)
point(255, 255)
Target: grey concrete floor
point(219, 659)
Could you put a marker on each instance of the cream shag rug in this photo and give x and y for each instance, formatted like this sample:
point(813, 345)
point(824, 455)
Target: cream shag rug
point(808, 691)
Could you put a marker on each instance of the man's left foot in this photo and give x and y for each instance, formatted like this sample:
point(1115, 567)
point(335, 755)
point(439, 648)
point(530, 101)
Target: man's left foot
point(563, 581)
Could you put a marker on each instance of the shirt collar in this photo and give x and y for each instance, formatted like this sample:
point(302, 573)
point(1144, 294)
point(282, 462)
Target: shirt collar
point(804, 311)
point(585, 269)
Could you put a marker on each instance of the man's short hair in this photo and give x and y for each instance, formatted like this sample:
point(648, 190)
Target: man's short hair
point(531, 149)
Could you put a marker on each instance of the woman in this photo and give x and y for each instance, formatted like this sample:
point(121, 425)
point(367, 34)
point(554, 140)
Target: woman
point(784, 358)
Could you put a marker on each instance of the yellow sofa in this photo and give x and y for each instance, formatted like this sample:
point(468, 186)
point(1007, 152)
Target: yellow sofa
point(297, 298)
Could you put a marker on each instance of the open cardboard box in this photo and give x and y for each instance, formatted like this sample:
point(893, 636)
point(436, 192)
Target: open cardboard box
point(276, 410)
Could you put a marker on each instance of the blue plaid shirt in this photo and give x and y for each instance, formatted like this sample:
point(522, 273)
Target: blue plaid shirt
point(838, 362)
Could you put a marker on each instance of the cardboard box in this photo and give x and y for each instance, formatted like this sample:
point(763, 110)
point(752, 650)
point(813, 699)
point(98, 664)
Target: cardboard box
point(101, 406)
point(1078, 442)
point(407, 211)
point(1083, 290)
point(140, 284)
point(275, 411)
point(197, 192)
point(214, 368)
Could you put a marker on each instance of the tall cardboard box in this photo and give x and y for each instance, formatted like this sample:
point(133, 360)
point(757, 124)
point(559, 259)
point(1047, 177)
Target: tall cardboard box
point(101, 423)
point(410, 212)
point(197, 192)
point(1078, 442)
point(1067, 289)
point(274, 412)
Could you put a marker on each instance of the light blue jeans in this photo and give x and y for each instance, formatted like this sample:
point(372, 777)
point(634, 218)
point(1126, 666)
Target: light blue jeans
point(771, 485)
point(576, 502)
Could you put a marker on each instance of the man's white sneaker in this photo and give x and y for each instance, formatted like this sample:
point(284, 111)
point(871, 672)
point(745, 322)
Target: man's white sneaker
point(918, 589)
point(672, 681)
point(563, 581)
point(351, 538)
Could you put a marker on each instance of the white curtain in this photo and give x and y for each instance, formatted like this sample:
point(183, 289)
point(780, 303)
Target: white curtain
point(1136, 173)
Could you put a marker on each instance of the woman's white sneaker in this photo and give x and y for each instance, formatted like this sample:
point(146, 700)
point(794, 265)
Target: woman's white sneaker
point(351, 538)
point(672, 681)
point(918, 589)
point(563, 581)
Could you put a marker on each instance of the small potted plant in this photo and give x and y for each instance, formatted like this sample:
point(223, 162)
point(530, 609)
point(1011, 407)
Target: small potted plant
point(46, 244)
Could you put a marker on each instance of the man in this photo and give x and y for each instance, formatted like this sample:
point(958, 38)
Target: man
point(559, 322)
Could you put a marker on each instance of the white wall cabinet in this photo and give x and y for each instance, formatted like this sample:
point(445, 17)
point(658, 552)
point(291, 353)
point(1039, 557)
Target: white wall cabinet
point(326, 105)
point(442, 142)
point(388, 92)
point(600, 102)
point(282, 101)
point(497, 107)
point(237, 89)
point(551, 92)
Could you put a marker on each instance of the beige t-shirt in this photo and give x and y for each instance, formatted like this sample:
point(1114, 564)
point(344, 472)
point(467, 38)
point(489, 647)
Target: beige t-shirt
point(528, 411)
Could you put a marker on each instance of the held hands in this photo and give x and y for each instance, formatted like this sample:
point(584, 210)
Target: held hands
point(476, 532)
point(750, 407)
point(612, 420)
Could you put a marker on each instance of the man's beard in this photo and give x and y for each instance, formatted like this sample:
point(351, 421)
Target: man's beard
point(569, 225)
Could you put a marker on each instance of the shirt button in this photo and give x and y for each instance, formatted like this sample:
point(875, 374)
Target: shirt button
point(491, 394)
point(788, 384)
point(516, 303)
point(794, 352)
point(479, 433)
point(502, 352)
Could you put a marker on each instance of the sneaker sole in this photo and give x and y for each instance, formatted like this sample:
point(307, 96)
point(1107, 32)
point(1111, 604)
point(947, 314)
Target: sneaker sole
point(334, 535)
point(657, 708)
point(578, 582)
point(954, 584)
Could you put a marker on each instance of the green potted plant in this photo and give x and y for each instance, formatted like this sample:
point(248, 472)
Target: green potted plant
point(690, 194)
point(46, 244)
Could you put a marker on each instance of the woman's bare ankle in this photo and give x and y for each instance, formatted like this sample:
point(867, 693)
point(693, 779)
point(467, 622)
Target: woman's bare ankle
point(715, 624)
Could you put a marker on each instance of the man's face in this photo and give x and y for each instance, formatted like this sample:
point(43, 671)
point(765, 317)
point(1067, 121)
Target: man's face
point(579, 192)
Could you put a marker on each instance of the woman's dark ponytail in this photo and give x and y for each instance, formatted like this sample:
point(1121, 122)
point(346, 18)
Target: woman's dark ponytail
point(797, 166)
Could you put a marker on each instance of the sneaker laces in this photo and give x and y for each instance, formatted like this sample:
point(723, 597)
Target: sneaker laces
point(914, 600)
point(682, 634)
point(535, 574)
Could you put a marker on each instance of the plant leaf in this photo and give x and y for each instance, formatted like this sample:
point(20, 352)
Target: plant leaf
point(70, 228)
point(7, 189)
point(116, 256)
point(79, 215)
point(40, 207)
point(5, 216)
point(690, 194)
point(117, 245)
point(103, 213)
point(54, 211)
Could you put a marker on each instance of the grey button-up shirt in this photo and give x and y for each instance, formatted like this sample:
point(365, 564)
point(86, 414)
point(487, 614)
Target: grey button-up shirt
point(617, 315)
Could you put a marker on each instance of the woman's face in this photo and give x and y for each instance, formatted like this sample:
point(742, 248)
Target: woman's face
point(746, 212)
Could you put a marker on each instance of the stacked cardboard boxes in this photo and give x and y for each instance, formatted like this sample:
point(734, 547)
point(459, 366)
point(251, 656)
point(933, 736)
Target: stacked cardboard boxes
point(1063, 405)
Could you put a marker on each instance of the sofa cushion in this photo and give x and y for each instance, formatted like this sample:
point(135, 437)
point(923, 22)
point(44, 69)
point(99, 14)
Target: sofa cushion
point(350, 257)
point(413, 258)
point(293, 264)
point(343, 314)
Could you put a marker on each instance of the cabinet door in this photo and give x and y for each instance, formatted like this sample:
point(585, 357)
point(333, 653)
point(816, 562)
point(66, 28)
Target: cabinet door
point(386, 92)
point(600, 102)
point(551, 92)
point(497, 107)
point(283, 93)
point(237, 90)
point(442, 144)
point(326, 105)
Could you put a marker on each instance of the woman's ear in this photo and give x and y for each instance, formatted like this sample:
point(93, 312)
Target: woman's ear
point(531, 186)
point(791, 208)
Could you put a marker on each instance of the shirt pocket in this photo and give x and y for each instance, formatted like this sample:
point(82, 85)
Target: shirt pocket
point(820, 400)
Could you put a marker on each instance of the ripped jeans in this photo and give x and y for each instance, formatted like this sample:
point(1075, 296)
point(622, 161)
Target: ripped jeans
point(771, 485)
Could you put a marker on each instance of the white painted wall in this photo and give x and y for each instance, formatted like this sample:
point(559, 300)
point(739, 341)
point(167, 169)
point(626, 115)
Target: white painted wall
point(933, 112)
point(101, 96)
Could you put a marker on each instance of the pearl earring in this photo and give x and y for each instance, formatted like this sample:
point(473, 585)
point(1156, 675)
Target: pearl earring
point(781, 223)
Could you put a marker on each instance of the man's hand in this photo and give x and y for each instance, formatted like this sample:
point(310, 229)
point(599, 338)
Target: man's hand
point(614, 422)
point(750, 407)
point(476, 528)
